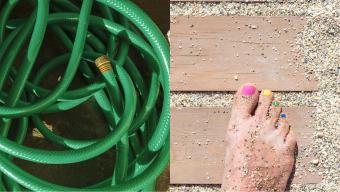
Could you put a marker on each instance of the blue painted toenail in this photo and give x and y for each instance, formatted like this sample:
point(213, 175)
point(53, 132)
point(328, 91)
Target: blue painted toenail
point(283, 116)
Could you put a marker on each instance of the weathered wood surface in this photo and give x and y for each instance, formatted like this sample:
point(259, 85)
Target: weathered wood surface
point(219, 53)
point(198, 147)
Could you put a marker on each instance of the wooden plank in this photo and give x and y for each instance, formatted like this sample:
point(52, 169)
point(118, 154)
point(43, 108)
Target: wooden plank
point(219, 53)
point(198, 148)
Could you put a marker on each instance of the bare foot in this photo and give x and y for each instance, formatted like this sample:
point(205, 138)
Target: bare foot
point(260, 149)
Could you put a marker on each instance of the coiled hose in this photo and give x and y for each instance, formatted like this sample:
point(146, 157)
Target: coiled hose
point(97, 48)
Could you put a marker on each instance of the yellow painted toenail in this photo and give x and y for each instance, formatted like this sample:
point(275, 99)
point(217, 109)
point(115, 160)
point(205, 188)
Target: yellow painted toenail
point(267, 92)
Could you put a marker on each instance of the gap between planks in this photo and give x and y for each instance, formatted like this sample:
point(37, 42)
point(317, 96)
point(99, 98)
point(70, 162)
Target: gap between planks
point(199, 133)
point(219, 53)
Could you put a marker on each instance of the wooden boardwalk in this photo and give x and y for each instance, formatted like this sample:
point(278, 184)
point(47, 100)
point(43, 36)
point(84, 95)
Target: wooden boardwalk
point(220, 53)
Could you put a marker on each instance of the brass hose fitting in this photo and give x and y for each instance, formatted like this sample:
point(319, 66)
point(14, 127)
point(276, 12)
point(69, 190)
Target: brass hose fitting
point(103, 63)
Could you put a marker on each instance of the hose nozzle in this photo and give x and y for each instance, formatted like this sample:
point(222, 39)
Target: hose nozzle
point(103, 63)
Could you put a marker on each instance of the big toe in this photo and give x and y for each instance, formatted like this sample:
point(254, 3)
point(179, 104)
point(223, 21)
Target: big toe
point(245, 101)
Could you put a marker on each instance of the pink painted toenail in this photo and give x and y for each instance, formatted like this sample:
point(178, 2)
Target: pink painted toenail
point(248, 90)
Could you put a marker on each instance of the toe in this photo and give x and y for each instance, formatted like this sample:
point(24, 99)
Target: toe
point(245, 101)
point(265, 102)
point(274, 112)
point(291, 141)
point(283, 127)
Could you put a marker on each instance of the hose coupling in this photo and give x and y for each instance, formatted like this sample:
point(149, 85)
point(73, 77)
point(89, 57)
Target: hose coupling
point(103, 63)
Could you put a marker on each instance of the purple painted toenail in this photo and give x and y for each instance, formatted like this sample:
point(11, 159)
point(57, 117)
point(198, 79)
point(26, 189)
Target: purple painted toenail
point(248, 90)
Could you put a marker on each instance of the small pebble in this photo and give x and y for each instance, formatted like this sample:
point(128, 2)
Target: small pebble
point(315, 161)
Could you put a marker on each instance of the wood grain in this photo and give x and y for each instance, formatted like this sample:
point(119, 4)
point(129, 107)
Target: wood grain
point(198, 147)
point(219, 53)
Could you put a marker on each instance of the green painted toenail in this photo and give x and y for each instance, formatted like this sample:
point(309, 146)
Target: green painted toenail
point(276, 103)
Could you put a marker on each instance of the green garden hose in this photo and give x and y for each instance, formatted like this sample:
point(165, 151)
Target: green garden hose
point(97, 37)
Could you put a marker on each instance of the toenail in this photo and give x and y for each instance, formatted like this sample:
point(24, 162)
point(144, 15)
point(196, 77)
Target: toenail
point(267, 92)
point(276, 103)
point(248, 90)
point(283, 116)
